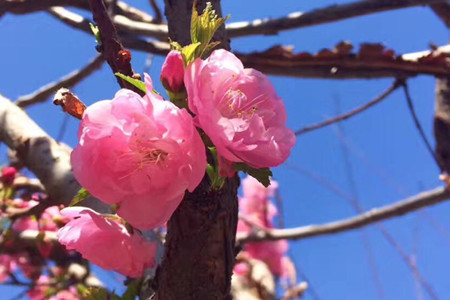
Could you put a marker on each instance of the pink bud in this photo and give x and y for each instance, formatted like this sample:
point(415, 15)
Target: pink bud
point(8, 175)
point(172, 72)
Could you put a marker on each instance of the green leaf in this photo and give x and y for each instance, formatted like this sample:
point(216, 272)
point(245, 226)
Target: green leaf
point(132, 290)
point(81, 195)
point(205, 25)
point(203, 28)
point(96, 33)
point(137, 83)
point(206, 51)
point(262, 175)
point(189, 53)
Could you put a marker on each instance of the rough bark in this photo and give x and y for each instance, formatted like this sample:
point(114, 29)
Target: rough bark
point(442, 122)
point(200, 243)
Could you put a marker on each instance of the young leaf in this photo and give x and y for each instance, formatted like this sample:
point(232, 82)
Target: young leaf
point(189, 53)
point(81, 195)
point(262, 175)
point(137, 83)
point(132, 290)
point(96, 33)
point(204, 26)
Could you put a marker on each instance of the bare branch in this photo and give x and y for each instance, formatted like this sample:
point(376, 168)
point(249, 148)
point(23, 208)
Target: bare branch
point(29, 6)
point(396, 209)
point(328, 14)
point(351, 113)
point(158, 31)
point(78, 22)
point(419, 127)
point(281, 61)
point(67, 81)
point(47, 159)
point(157, 11)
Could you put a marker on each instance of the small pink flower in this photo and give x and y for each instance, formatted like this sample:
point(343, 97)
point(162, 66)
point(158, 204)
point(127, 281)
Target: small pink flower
point(39, 291)
point(172, 72)
point(141, 153)
point(239, 110)
point(70, 294)
point(8, 175)
point(106, 242)
point(271, 252)
point(241, 269)
point(7, 266)
point(256, 208)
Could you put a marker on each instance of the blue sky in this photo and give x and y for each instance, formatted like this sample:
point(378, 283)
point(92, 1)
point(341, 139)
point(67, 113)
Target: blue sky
point(387, 157)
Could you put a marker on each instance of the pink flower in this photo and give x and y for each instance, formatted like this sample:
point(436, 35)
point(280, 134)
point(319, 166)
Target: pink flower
point(39, 291)
point(139, 153)
point(7, 266)
point(24, 223)
point(271, 252)
point(239, 110)
point(106, 242)
point(172, 72)
point(70, 294)
point(8, 175)
point(255, 205)
point(256, 208)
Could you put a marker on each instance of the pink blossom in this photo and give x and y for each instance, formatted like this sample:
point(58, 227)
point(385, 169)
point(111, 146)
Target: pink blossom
point(70, 294)
point(7, 266)
point(141, 153)
point(257, 209)
point(24, 223)
point(39, 291)
point(106, 242)
point(8, 175)
point(241, 269)
point(255, 205)
point(239, 110)
point(172, 72)
point(271, 252)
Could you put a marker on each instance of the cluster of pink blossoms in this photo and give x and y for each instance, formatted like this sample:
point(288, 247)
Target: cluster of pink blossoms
point(142, 153)
point(256, 209)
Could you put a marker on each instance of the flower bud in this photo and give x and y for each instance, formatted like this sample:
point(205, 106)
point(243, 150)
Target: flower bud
point(8, 175)
point(172, 72)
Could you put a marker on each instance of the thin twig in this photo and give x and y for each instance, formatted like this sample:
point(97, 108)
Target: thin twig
point(354, 201)
point(399, 208)
point(75, 77)
point(351, 113)
point(410, 263)
point(157, 11)
point(79, 22)
point(418, 125)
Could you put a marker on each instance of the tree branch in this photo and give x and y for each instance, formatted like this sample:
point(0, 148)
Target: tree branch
point(328, 14)
point(47, 159)
point(396, 209)
point(30, 6)
point(200, 243)
point(351, 113)
point(327, 64)
point(78, 22)
point(111, 47)
point(67, 81)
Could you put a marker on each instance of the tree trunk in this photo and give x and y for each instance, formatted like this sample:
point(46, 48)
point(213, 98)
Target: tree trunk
point(200, 244)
